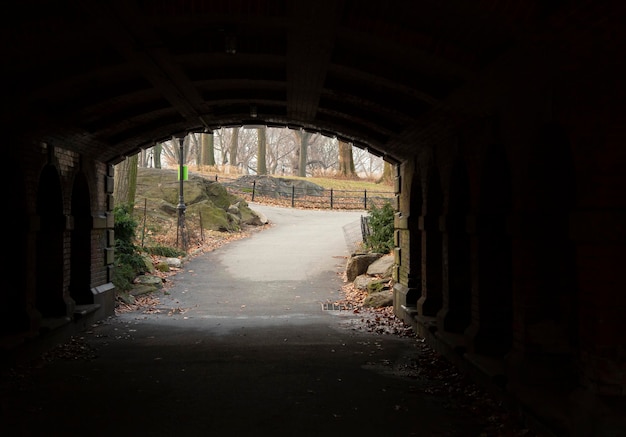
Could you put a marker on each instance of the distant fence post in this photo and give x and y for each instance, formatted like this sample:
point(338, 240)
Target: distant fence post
point(331, 198)
point(201, 227)
point(364, 199)
point(365, 228)
point(293, 194)
point(253, 187)
point(145, 212)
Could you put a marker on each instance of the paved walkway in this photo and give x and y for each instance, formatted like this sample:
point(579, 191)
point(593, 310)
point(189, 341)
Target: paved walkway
point(240, 347)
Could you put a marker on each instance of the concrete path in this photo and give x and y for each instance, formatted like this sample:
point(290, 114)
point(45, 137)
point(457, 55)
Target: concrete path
point(240, 347)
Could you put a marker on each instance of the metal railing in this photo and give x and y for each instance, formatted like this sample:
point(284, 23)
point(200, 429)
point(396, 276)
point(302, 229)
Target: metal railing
point(292, 195)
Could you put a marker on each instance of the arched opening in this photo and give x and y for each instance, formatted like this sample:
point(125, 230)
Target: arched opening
point(80, 258)
point(493, 304)
point(456, 314)
point(431, 300)
point(49, 258)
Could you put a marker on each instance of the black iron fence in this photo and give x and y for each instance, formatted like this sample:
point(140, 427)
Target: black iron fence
point(303, 195)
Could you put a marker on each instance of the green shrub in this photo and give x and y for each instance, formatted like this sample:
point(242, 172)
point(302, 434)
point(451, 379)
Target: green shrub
point(158, 250)
point(128, 260)
point(123, 276)
point(380, 239)
point(125, 224)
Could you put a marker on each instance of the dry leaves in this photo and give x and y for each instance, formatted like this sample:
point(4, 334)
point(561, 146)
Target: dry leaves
point(146, 303)
point(376, 320)
point(441, 377)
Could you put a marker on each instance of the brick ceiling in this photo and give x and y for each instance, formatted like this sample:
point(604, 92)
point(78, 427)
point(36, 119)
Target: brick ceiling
point(109, 77)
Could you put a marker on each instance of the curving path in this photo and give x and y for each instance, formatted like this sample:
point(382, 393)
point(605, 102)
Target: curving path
point(241, 347)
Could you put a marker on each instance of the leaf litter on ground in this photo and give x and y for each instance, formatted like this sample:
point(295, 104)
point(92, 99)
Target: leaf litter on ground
point(443, 377)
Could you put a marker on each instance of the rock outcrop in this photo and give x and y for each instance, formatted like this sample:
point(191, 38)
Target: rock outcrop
point(372, 272)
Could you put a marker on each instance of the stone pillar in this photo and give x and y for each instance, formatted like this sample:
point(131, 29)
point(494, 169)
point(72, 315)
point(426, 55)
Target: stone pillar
point(430, 300)
point(455, 313)
point(407, 287)
point(407, 242)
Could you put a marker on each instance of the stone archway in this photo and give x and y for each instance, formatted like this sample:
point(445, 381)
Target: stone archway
point(408, 241)
point(431, 300)
point(455, 315)
point(49, 246)
point(491, 330)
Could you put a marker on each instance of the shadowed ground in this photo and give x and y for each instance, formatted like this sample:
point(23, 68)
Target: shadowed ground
point(240, 346)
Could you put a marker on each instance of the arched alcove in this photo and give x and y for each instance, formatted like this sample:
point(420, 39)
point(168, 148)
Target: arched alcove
point(80, 258)
point(49, 257)
point(457, 311)
point(493, 304)
point(431, 300)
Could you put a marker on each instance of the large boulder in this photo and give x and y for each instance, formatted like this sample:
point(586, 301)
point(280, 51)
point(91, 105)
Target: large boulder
point(357, 264)
point(379, 300)
point(206, 201)
point(383, 266)
point(277, 187)
point(372, 272)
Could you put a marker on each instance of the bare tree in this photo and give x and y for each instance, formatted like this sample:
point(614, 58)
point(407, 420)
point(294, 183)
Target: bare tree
point(170, 151)
point(193, 149)
point(261, 164)
point(346, 161)
point(125, 181)
point(281, 147)
point(387, 176)
point(234, 147)
point(143, 158)
point(221, 144)
point(303, 140)
point(247, 150)
point(323, 155)
point(156, 154)
point(366, 164)
point(207, 149)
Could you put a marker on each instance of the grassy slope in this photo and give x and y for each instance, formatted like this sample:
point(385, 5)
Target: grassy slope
point(347, 184)
point(325, 182)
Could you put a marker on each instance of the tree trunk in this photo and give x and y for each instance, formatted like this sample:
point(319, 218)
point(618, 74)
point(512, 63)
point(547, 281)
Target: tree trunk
point(304, 148)
point(234, 145)
point(261, 163)
point(192, 147)
point(125, 182)
point(143, 158)
point(207, 149)
point(387, 172)
point(302, 141)
point(346, 160)
point(158, 148)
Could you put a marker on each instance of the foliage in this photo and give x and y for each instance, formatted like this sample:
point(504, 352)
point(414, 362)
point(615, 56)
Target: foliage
point(166, 251)
point(380, 239)
point(128, 260)
point(125, 224)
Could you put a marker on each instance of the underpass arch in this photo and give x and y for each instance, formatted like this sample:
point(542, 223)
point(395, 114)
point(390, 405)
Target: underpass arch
point(104, 82)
